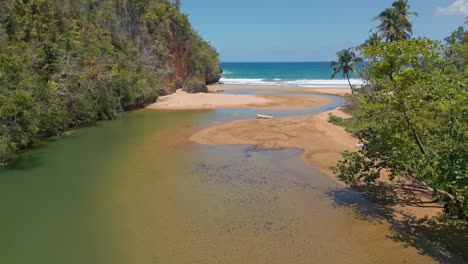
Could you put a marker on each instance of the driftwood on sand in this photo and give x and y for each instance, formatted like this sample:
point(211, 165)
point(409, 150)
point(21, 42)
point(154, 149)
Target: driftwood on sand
point(259, 116)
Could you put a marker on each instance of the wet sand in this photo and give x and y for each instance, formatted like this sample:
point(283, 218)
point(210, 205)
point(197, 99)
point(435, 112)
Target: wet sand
point(322, 144)
point(185, 101)
point(246, 205)
point(321, 141)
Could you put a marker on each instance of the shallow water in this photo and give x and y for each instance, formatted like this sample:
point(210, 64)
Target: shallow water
point(135, 190)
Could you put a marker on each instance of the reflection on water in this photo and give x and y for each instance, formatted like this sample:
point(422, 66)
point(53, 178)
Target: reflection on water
point(135, 190)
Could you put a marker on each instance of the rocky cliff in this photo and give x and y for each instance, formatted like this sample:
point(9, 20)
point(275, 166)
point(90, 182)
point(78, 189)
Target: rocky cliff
point(68, 63)
point(191, 61)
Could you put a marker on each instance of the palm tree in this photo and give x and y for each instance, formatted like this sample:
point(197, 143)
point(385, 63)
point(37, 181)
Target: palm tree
point(391, 27)
point(395, 22)
point(347, 61)
point(403, 8)
point(373, 40)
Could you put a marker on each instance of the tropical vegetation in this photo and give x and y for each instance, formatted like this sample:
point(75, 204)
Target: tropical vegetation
point(70, 63)
point(412, 114)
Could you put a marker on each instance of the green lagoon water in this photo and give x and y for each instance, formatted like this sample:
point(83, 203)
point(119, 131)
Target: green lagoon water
point(135, 190)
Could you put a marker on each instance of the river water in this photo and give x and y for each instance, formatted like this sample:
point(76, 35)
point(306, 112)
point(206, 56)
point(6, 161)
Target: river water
point(136, 190)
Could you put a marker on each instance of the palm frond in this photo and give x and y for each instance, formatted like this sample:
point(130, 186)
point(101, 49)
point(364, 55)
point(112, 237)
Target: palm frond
point(395, 22)
point(347, 59)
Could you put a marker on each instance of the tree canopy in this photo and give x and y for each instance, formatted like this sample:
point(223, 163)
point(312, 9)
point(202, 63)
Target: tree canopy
point(413, 119)
point(69, 63)
point(411, 114)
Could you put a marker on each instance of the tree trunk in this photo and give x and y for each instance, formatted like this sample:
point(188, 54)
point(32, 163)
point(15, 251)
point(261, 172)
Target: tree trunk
point(415, 134)
point(451, 194)
point(352, 90)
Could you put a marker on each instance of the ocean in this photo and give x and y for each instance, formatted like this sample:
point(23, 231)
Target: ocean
point(301, 74)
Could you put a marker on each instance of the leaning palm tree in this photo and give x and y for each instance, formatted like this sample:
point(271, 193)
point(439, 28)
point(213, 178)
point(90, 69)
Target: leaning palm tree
point(347, 61)
point(395, 22)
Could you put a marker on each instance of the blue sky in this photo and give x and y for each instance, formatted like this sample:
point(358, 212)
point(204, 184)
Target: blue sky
point(306, 30)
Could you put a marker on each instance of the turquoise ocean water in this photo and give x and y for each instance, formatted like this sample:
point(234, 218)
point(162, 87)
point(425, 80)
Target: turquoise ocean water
point(302, 74)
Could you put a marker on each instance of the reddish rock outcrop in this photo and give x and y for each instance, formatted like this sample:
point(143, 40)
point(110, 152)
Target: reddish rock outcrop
point(178, 62)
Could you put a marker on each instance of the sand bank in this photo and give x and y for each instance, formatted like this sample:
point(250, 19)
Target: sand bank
point(182, 100)
point(293, 89)
point(323, 143)
point(405, 204)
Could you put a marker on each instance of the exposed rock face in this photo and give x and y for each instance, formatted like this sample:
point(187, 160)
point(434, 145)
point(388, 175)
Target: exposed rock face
point(179, 62)
point(184, 52)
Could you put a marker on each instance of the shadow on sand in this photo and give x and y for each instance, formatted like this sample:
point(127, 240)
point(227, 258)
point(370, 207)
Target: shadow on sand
point(444, 241)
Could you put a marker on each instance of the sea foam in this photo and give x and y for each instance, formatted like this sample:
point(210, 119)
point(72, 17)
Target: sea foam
point(298, 83)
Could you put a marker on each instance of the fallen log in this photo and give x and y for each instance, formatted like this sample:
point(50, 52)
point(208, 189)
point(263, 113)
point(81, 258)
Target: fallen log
point(259, 116)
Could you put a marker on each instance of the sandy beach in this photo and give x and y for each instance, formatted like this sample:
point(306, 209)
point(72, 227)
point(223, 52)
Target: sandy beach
point(321, 141)
point(184, 101)
point(293, 89)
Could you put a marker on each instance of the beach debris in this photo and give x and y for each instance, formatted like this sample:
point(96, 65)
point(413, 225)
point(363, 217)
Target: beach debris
point(259, 116)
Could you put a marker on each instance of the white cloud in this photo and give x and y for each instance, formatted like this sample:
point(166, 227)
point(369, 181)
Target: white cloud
point(457, 8)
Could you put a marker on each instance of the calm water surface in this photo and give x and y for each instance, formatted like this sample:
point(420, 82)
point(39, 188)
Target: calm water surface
point(135, 190)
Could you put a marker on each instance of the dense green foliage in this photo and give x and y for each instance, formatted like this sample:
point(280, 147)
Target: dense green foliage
point(412, 115)
point(413, 118)
point(458, 48)
point(373, 39)
point(69, 63)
